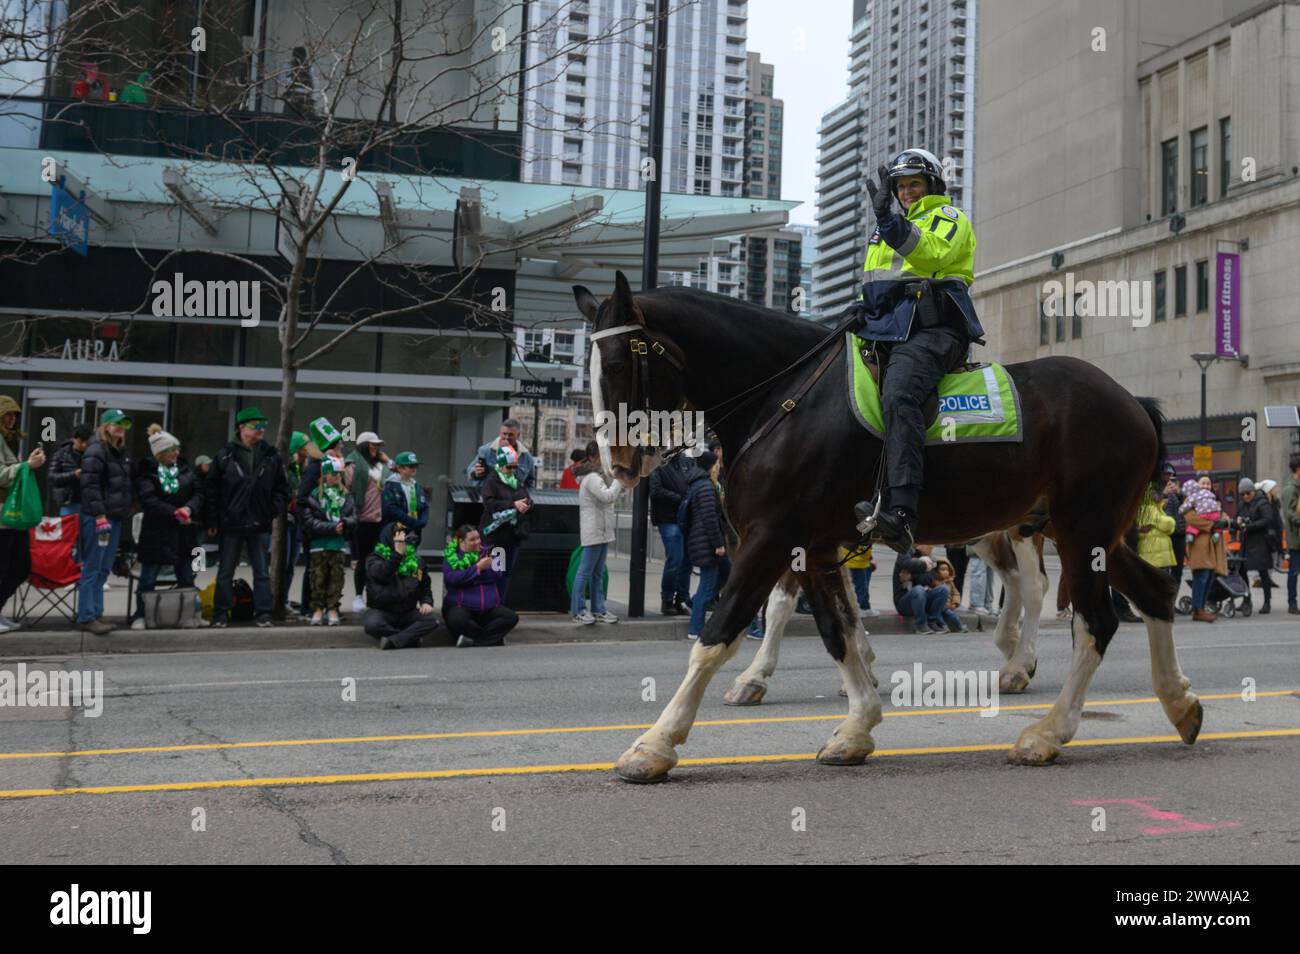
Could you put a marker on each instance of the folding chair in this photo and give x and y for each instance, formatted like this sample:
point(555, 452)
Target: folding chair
point(51, 586)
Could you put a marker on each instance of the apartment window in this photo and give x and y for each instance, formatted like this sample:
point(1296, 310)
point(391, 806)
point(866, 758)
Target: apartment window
point(705, 101)
point(1180, 291)
point(703, 165)
point(1044, 328)
point(1160, 295)
point(563, 343)
point(1200, 168)
point(557, 429)
point(1202, 286)
point(1060, 325)
point(1169, 177)
point(1225, 154)
point(1076, 320)
point(702, 187)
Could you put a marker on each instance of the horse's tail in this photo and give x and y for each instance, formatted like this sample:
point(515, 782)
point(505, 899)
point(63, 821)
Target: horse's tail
point(1152, 407)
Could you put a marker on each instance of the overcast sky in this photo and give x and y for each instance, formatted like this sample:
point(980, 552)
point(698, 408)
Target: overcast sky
point(807, 41)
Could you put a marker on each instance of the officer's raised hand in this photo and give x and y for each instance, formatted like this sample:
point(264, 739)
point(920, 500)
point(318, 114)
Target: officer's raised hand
point(882, 195)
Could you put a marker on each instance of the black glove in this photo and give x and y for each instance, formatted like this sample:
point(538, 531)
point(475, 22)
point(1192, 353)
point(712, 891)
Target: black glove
point(882, 194)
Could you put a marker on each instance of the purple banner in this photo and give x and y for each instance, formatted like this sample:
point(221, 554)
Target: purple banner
point(1227, 304)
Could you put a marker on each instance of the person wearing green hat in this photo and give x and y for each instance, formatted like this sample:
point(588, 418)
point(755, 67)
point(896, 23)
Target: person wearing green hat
point(366, 466)
point(323, 440)
point(15, 544)
point(106, 496)
point(331, 519)
point(404, 500)
point(298, 458)
point(247, 489)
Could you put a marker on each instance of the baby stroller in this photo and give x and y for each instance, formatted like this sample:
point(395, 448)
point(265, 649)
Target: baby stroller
point(1228, 595)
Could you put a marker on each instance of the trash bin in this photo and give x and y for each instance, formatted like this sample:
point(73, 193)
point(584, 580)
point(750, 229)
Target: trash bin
point(537, 581)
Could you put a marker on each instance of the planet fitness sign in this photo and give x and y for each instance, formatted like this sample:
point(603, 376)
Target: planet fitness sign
point(1227, 304)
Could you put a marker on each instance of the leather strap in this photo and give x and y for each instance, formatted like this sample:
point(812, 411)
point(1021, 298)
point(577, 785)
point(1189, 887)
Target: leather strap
point(789, 404)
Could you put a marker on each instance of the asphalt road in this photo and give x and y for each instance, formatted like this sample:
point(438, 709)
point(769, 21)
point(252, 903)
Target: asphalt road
point(264, 750)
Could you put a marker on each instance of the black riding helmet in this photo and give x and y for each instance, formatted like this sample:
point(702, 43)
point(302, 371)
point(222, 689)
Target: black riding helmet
point(917, 162)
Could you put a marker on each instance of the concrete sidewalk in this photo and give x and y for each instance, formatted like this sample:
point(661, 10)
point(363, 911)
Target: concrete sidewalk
point(57, 637)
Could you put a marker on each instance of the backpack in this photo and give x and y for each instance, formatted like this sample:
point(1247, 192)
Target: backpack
point(684, 511)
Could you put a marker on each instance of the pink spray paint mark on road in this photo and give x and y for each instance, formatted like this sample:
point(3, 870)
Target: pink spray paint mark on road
point(1151, 813)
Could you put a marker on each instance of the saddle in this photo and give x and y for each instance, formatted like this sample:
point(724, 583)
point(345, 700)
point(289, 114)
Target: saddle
point(930, 408)
point(977, 402)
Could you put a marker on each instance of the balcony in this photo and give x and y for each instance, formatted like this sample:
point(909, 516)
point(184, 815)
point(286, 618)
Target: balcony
point(246, 136)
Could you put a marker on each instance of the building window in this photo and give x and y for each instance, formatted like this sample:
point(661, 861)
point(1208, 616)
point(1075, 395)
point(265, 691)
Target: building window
point(1076, 320)
point(1160, 295)
point(1202, 286)
point(557, 429)
point(1044, 332)
point(1169, 177)
point(1200, 166)
point(1225, 154)
point(563, 342)
point(1180, 291)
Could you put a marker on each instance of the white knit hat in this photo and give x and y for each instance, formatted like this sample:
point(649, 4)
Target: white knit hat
point(160, 442)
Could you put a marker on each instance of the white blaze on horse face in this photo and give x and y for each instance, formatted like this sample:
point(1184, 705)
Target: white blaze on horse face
point(597, 407)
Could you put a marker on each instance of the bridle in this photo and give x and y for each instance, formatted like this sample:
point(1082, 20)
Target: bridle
point(642, 348)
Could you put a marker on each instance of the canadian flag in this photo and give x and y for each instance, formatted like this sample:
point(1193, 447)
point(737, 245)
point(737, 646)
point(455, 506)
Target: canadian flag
point(51, 528)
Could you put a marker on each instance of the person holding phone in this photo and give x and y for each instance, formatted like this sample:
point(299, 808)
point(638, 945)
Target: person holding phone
point(399, 596)
point(471, 602)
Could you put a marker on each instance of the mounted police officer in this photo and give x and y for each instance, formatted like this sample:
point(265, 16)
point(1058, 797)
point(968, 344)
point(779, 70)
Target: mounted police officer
point(916, 306)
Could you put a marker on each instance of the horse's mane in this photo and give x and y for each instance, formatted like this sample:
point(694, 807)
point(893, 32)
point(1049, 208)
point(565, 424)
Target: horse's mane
point(756, 317)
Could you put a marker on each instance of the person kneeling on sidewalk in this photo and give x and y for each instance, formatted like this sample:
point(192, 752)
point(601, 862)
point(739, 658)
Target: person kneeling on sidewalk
point(399, 597)
point(330, 517)
point(471, 603)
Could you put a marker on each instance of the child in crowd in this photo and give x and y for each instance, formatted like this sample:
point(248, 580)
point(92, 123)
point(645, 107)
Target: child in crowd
point(331, 518)
point(1199, 495)
point(943, 575)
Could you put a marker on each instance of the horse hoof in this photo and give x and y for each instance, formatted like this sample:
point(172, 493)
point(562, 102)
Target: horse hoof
point(744, 694)
point(1033, 751)
point(1189, 726)
point(840, 751)
point(641, 766)
point(1013, 683)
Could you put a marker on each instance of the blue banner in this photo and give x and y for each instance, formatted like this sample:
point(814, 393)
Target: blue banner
point(69, 219)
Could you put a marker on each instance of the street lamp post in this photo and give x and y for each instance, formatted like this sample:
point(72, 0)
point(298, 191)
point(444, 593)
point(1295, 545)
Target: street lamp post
point(649, 274)
point(1204, 359)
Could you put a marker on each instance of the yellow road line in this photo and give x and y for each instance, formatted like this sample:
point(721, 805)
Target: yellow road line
point(582, 767)
point(562, 730)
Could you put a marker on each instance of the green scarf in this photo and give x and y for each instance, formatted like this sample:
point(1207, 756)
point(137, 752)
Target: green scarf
point(457, 561)
point(410, 565)
point(510, 480)
point(332, 501)
point(168, 479)
point(409, 487)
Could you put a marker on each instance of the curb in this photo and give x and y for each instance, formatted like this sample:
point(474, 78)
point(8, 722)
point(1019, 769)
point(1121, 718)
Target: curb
point(532, 629)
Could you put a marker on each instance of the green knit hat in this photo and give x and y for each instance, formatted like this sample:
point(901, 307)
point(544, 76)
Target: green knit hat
point(323, 434)
point(296, 440)
point(406, 459)
point(331, 465)
point(249, 414)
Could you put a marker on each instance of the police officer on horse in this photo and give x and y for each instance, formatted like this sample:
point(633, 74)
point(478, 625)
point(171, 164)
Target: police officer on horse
point(916, 307)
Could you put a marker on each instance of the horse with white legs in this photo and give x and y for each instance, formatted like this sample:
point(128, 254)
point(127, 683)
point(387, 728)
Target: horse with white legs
point(1017, 560)
point(1089, 454)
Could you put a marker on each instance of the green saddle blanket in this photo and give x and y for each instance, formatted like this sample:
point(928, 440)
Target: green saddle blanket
point(978, 405)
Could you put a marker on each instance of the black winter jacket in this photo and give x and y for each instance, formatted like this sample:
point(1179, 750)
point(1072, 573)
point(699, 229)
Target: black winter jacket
point(388, 592)
point(668, 487)
point(496, 496)
point(311, 515)
point(65, 487)
point(105, 481)
point(1256, 545)
point(162, 539)
point(705, 531)
point(913, 565)
point(235, 500)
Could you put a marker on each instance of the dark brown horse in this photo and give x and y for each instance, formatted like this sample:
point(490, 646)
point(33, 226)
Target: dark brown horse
point(1089, 454)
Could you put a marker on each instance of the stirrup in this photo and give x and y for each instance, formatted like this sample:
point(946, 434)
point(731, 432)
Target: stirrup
point(867, 521)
